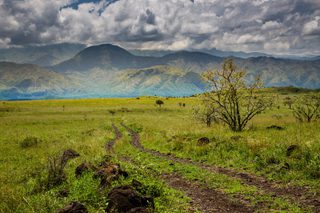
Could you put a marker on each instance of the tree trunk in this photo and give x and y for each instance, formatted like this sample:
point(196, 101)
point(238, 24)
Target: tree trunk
point(208, 122)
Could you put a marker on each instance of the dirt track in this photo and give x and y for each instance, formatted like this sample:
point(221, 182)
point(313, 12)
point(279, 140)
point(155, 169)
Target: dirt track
point(203, 198)
point(299, 195)
point(109, 145)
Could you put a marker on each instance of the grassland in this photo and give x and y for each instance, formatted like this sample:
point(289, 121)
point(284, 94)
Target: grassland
point(86, 126)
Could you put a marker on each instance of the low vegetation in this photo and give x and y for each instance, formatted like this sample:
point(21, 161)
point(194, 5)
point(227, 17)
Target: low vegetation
point(37, 176)
point(307, 108)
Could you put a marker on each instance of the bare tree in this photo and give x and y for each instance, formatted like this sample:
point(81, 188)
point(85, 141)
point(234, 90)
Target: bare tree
point(307, 108)
point(288, 102)
point(205, 113)
point(235, 101)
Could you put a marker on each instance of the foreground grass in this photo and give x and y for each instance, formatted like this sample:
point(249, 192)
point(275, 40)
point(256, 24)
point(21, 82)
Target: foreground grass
point(229, 186)
point(85, 126)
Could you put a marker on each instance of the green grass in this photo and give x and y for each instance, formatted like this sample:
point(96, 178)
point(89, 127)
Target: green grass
point(85, 126)
point(231, 187)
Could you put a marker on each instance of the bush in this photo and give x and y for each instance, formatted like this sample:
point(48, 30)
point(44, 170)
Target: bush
point(314, 168)
point(159, 102)
point(29, 142)
point(56, 174)
point(307, 108)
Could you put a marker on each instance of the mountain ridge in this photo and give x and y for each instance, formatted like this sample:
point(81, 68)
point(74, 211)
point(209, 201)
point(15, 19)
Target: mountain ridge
point(111, 71)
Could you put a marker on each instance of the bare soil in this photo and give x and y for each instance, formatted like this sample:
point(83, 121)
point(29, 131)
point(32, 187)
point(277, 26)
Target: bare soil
point(109, 145)
point(203, 198)
point(300, 195)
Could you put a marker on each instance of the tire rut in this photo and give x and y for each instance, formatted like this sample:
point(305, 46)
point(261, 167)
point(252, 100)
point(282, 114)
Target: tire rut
point(300, 195)
point(203, 198)
point(118, 135)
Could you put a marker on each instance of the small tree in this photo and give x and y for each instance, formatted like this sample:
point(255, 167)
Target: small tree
point(205, 113)
point(235, 101)
point(159, 102)
point(307, 108)
point(288, 102)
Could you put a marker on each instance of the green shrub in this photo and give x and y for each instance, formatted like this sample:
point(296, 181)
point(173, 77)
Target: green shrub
point(314, 167)
point(29, 142)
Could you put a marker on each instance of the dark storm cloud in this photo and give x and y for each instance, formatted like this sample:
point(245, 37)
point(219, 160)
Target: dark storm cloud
point(283, 27)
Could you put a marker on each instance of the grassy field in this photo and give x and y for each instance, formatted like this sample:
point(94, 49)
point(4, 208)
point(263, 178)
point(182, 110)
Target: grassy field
point(85, 126)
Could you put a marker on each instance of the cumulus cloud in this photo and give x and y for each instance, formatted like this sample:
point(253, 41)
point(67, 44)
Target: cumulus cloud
point(312, 27)
point(284, 27)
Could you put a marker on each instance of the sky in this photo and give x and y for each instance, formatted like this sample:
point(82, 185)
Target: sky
point(269, 26)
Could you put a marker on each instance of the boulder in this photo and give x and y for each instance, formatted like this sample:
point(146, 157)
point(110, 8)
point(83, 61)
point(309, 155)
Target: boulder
point(203, 141)
point(275, 127)
point(63, 193)
point(291, 149)
point(84, 167)
point(141, 210)
point(236, 138)
point(67, 155)
point(108, 173)
point(126, 199)
point(73, 207)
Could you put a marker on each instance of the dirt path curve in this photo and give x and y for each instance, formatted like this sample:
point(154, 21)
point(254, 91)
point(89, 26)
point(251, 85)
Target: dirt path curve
point(109, 145)
point(203, 198)
point(299, 195)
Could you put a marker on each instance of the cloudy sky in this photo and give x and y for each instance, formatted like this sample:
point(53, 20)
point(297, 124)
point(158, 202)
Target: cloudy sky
point(270, 26)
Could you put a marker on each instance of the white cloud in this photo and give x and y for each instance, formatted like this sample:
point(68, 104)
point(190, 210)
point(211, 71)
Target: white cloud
point(4, 43)
point(240, 25)
point(277, 46)
point(312, 26)
point(271, 25)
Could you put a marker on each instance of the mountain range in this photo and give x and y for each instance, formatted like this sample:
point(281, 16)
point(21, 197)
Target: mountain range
point(73, 70)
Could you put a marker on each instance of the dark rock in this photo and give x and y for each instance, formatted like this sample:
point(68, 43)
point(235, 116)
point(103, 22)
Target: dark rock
point(106, 161)
point(140, 210)
point(236, 138)
point(286, 166)
point(84, 167)
point(67, 155)
point(275, 127)
point(291, 149)
point(136, 184)
point(73, 207)
point(272, 160)
point(63, 193)
point(108, 173)
point(126, 199)
point(203, 141)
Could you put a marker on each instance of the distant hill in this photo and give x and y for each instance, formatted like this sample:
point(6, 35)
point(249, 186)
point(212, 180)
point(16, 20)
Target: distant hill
point(224, 54)
point(30, 81)
point(159, 80)
point(111, 71)
point(106, 56)
point(283, 72)
point(111, 57)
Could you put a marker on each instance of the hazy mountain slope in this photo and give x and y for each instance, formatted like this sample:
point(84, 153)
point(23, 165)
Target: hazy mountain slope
point(283, 72)
point(109, 71)
point(106, 56)
point(111, 57)
point(159, 80)
point(41, 55)
point(27, 80)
